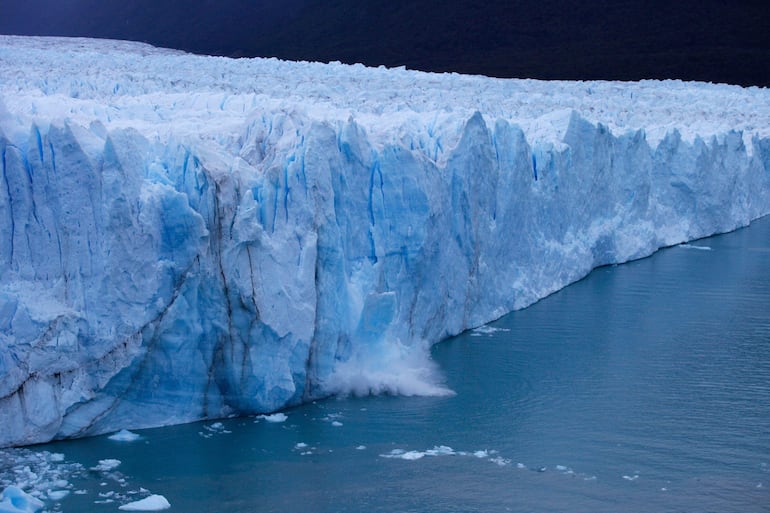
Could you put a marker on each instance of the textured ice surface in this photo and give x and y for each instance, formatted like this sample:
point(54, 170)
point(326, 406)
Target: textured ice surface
point(187, 237)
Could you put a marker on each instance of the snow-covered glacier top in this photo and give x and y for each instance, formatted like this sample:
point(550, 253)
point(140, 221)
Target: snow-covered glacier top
point(187, 237)
point(162, 91)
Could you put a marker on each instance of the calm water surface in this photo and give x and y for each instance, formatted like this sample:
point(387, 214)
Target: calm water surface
point(643, 388)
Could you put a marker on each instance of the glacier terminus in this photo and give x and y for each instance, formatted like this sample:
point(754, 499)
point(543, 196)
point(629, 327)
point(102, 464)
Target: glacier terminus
point(186, 237)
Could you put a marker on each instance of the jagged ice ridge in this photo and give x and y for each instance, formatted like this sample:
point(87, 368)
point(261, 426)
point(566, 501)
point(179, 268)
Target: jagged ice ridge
point(187, 237)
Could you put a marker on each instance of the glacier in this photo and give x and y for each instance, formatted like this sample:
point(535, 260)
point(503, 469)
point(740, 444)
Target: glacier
point(186, 237)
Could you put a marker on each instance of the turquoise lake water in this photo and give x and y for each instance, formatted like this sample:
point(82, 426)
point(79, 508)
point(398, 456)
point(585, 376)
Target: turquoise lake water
point(642, 388)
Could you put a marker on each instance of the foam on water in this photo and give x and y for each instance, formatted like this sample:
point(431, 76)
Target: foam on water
point(393, 370)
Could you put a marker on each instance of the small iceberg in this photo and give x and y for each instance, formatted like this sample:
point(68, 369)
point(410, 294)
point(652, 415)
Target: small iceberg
point(124, 435)
point(151, 503)
point(15, 500)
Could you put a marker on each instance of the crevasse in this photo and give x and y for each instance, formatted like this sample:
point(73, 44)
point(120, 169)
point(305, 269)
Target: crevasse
point(157, 271)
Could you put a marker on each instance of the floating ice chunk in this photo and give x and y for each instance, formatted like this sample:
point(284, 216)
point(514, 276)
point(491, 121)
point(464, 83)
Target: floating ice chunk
point(412, 455)
point(106, 465)
point(300, 445)
point(124, 435)
point(693, 246)
point(275, 417)
point(521, 466)
point(500, 461)
point(151, 503)
point(361, 448)
point(440, 450)
point(337, 423)
point(57, 495)
point(487, 330)
point(216, 428)
point(56, 457)
point(481, 454)
point(631, 478)
point(15, 500)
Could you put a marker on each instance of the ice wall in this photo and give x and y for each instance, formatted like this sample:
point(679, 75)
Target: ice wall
point(148, 279)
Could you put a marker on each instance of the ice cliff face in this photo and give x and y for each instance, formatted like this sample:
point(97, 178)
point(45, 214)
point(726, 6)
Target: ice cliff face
point(186, 237)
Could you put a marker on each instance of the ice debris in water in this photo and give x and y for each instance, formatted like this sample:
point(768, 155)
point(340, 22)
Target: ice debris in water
point(39, 474)
point(216, 428)
point(483, 454)
point(438, 450)
point(124, 435)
